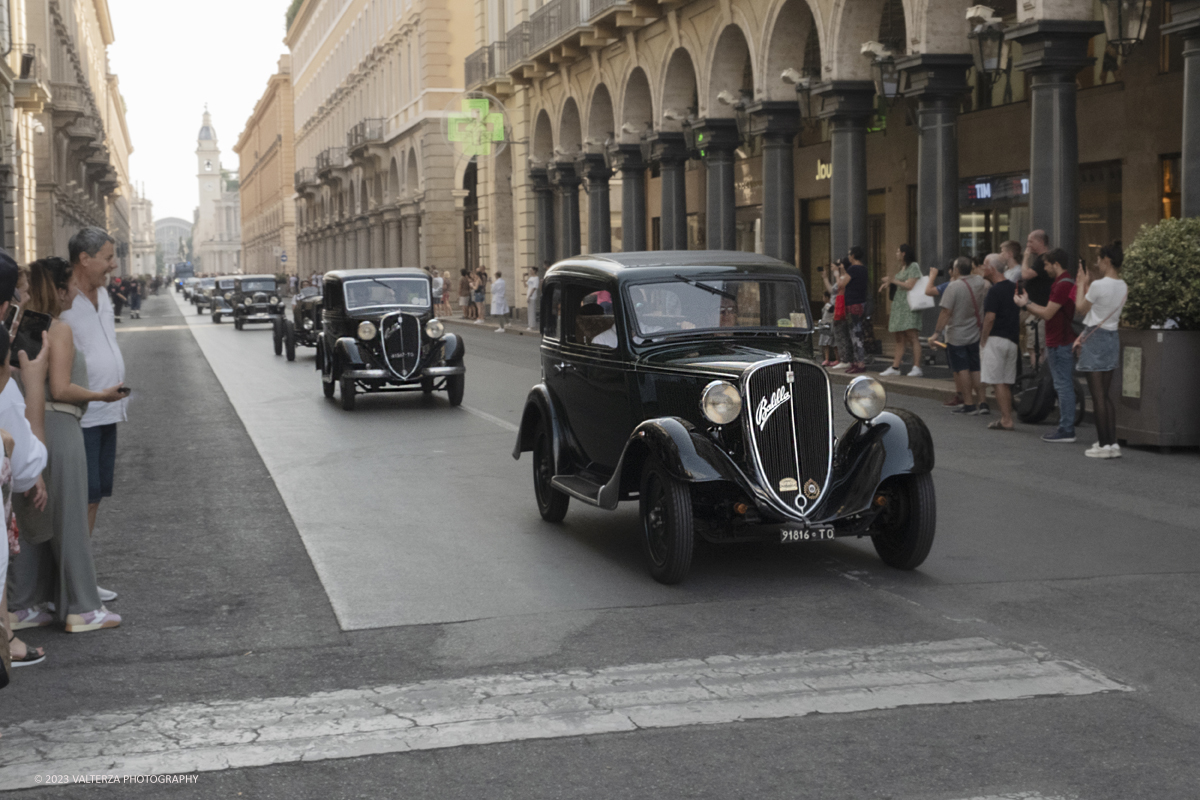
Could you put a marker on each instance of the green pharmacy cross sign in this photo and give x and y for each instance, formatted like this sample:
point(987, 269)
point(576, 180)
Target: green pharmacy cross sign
point(476, 127)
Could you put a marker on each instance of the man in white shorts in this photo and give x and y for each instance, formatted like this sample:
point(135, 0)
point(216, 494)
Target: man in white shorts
point(999, 339)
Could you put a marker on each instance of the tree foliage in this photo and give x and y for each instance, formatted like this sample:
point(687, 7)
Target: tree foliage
point(293, 9)
point(1162, 269)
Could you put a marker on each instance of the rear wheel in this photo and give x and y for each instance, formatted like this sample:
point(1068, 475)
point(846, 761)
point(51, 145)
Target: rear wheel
point(552, 504)
point(237, 323)
point(348, 390)
point(277, 336)
point(199, 310)
point(455, 386)
point(903, 531)
point(216, 318)
point(667, 533)
point(289, 340)
point(327, 383)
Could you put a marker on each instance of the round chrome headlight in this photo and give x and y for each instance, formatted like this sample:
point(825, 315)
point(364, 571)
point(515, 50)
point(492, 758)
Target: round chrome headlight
point(308, 324)
point(229, 295)
point(274, 300)
point(721, 402)
point(366, 330)
point(247, 301)
point(434, 329)
point(865, 397)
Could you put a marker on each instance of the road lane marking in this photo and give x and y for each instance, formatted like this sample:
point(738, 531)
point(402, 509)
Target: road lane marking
point(490, 709)
point(1018, 796)
point(508, 426)
point(142, 328)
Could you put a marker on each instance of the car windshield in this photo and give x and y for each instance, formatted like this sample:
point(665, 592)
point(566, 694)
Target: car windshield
point(387, 292)
point(264, 285)
point(308, 291)
point(208, 283)
point(696, 303)
point(226, 284)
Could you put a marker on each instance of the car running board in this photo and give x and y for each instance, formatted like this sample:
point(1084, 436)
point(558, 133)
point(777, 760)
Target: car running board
point(578, 487)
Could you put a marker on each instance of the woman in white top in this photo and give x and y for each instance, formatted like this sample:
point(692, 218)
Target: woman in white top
point(499, 300)
point(1099, 346)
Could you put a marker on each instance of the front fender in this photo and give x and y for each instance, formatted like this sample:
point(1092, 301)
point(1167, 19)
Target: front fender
point(897, 442)
point(453, 348)
point(346, 354)
point(539, 407)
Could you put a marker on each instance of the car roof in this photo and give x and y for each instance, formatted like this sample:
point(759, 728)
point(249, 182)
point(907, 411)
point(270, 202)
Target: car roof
point(658, 263)
point(398, 272)
point(263, 276)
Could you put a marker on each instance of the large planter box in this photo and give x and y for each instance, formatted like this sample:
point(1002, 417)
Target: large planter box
point(1157, 388)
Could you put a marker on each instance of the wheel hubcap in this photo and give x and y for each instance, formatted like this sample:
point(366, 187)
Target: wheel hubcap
point(656, 525)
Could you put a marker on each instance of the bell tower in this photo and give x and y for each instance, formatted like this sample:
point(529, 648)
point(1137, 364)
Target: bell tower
point(208, 176)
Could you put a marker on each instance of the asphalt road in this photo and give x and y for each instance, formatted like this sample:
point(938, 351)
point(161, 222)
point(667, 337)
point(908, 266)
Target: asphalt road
point(268, 545)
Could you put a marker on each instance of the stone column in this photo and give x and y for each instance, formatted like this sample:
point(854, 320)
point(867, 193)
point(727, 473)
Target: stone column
point(717, 139)
point(777, 123)
point(597, 172)
point(1053, 51)
point(937, 82)
point(362, 231)
point(543, 215)
point(566, 181)
point(848, 105)
point(378, 258)
point(628, 159)
point(391, 224)
point(668, 149)
point(1186, 24)
point(411, 253)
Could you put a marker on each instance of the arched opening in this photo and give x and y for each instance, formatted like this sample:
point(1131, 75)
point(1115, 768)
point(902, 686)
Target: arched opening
point(570, 132)
point(600, 119)
point(543, 139)
point(731, 78)
point(503, 234)
point(393, 183)
point(364, 198)
point(637, 108)
point(793, 24)
point(471, 259)
point(411, 179)
point(680, 96)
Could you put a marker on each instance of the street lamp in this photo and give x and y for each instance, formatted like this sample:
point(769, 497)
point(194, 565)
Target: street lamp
point(1125, 22)
point(883, 70)
point(803, 84)
point(988, 46)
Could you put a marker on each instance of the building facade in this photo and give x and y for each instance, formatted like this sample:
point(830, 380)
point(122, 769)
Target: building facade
point(217, 233)
point(376, 180)
point(173, 237)
point(143, 243)
point(266, 152)
point(64, 159)
point(762, 125)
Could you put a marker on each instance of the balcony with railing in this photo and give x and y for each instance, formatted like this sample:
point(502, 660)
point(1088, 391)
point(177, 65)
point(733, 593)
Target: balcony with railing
point(487, 66)
point(305, 176)
point(369, 131)
point(516, 45)
point(69, 101)
point(563, 31)
point(331, 158)
point(31, 90)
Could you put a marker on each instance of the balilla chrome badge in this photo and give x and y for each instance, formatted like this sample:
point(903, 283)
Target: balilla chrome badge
point(769, 405)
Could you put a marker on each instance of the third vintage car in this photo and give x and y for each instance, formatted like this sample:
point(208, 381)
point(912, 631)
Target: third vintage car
point(300, 325)
point(685, 381)
point(253, 298)
point(379, 334)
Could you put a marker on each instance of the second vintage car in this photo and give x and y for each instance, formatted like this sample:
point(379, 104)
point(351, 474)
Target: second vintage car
point(254, 298)
point(202, 293)
point(300, 325)
point(685, 381)
point(379, 334)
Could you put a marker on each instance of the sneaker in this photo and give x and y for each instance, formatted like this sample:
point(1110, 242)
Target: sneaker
point(92, 621)
point(890, 371)
point(498, 330)
point(106, 595)
point(915, 372)
point(36, 617)
point(954, 401)
point(1099, 451)
point(964, 410)
point(983, 409)
point(1058, 437)
point(1115, 449)
point(839, 365)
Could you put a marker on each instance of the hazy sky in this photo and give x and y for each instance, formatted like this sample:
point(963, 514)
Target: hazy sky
point(172, 58)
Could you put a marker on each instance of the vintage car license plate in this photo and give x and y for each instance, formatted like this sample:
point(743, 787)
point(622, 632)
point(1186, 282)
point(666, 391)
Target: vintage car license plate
point(816, 533)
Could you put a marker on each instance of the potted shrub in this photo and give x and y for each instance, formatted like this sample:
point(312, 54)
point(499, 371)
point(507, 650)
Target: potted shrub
point(1158, 375)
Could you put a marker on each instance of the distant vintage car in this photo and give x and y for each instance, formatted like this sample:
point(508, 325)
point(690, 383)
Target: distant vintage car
point(202, 294)
point(218, 302)
point(254, 298)
point(300, 325)
point(379, 334)
point(685, 380)
point(189, 285)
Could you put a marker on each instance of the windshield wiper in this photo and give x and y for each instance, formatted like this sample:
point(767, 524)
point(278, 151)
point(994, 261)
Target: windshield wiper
point(706, 287)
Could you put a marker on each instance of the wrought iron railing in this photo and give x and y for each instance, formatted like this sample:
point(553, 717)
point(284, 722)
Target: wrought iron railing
point(476, 68)
point(365, 132)
point(554, 20)
point(305, 176)
point(330, 158)
point(516, 45)
point(597, 7)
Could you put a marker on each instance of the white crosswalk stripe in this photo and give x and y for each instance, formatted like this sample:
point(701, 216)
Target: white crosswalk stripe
point(484, 710)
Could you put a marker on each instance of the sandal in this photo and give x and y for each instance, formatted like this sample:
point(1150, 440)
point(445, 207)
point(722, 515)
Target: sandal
point(33, 655)
point(996, 426)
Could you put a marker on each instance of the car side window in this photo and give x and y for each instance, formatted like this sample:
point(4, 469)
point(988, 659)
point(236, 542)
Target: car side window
point(595, 323)
point(552, 313)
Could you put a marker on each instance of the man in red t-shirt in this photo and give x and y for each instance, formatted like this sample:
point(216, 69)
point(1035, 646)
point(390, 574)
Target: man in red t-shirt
point(1058, 312)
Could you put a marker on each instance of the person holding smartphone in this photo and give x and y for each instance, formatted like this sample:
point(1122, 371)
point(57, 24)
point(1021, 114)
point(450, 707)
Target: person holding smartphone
point(57, 565)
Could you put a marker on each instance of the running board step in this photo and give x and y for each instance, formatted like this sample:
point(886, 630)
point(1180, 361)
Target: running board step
point(578, 487)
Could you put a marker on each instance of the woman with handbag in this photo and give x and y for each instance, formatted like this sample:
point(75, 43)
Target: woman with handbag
point(55, 563)
point(904, 323)
point(1099, 346)
point(841, 328)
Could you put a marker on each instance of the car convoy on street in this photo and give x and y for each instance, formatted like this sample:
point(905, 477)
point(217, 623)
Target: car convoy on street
point(682, 380)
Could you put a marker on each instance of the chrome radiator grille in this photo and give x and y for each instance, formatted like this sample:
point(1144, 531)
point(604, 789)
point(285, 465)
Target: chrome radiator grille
point(401, 337)
point(788, 416)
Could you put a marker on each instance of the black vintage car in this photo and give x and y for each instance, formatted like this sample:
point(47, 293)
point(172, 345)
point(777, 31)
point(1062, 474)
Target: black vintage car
point(218, 298)
point(685, 380)
point(301, 326)
point(379, 334)
point(202, 293)
point(253, 298)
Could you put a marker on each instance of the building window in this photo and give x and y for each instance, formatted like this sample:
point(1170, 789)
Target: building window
point(1169, 169)
point(1099, 207)
point(1170, 48)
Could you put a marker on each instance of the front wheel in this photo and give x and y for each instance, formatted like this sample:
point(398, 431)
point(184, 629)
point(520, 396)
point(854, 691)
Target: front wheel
point(289, 340)
point(455, 386)
point(328, 385)
point(552, 504)
point(277, 336)
point(903, 531)
point(348, 390)
point(427, 386)
point(199, 310)
point(667, 534)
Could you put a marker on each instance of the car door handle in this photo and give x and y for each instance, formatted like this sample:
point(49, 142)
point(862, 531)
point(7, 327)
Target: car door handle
point(563, 366)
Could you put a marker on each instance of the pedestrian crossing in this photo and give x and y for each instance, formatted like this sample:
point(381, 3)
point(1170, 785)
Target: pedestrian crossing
point(489, 709)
